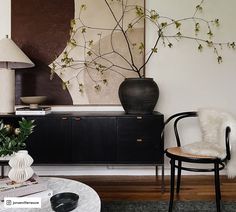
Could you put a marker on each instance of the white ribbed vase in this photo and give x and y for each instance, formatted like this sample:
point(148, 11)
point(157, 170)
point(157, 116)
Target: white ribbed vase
point(20, 167)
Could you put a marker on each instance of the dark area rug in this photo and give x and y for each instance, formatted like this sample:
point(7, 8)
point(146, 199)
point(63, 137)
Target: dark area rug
point(162, 206)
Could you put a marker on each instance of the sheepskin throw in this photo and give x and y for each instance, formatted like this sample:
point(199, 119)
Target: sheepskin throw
point(213, 124)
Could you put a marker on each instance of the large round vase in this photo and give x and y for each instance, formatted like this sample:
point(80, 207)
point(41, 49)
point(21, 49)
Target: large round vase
point(138, 95)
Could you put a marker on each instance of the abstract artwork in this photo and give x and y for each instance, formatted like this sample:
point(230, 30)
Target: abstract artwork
point(41, 29)
point(93, 57)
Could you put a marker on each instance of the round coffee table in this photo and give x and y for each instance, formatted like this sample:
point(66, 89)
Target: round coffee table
point(89, 200)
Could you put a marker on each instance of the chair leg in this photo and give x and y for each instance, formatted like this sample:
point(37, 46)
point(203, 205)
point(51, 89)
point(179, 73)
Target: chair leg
point(179, 176)
point(172, 184)
point(217, 187)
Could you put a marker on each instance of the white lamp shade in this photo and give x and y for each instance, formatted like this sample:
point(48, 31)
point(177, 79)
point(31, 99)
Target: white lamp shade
point(12, 57)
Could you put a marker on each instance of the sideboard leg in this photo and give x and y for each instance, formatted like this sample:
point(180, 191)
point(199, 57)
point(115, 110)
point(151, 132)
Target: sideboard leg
point(162, 178)
point(156, 171)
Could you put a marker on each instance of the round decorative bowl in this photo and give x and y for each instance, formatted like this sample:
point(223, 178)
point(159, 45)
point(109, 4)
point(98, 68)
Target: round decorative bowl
point(66, 201)
point(33, 101)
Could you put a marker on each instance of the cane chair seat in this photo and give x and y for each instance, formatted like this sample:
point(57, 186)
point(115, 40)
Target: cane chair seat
point(178, 151)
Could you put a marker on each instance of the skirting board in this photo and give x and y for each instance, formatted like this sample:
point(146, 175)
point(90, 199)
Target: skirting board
point(105, 170)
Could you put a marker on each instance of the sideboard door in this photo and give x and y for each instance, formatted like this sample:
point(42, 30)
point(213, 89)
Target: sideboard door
point(93, 140)
point(50, 141)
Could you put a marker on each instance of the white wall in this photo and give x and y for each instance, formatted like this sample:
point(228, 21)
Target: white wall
point(5, 18)
point(187, 79)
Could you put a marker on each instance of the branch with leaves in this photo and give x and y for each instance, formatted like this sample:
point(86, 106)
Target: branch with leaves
point(169, 30)
point(13, 139)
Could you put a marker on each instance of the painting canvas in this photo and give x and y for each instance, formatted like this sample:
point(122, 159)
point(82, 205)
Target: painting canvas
point(94, 56)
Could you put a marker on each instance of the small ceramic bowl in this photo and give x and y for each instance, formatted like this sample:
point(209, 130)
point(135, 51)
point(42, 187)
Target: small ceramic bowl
point(63, 202)
point(33, 101)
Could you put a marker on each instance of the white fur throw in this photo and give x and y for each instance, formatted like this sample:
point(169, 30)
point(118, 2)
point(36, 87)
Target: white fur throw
point(213, 124)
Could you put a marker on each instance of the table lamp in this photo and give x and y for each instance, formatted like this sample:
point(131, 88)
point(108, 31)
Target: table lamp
point(11, 57)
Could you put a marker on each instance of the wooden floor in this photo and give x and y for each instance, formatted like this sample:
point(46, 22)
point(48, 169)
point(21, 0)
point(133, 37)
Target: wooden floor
point(149, 188)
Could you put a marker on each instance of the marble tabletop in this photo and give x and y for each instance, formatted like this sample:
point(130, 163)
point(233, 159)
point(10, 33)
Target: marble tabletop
point(89, 200)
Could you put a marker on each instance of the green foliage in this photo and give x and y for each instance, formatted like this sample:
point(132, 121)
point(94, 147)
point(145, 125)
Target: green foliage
point(81, 88)
point(154, 50)
point(13, 139)
point(83, 30)
point(89, 53)
point(178, 34)
point(217, 22)
point(219, 59)
point(210, 34)
point(73, 42)
point(168, 30)
point(90, 42)
point(197, 27)
point(177, 24)
point(170, 45)
point(130, 26)
point(139, 11)
point(141, 47)
point(83, 7)
point(154, 15)
point(199, 7)
point(200, 47)
point(97, 87)
point(209, 43)
point(65, 85)
point(163, 24)
point(105, 82)
point(66, 59)
point(231, 45)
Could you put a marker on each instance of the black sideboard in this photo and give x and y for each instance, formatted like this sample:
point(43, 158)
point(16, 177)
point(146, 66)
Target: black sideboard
point(95, 138)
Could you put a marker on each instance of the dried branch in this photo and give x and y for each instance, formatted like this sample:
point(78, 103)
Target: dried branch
point(100, 62)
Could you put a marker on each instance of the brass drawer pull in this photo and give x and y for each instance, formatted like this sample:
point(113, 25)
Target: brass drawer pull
point(139, 140)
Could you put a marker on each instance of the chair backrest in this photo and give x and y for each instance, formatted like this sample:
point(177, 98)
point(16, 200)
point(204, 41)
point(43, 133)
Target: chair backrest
point(182, 115)
point(227, 144)
point(177, 117)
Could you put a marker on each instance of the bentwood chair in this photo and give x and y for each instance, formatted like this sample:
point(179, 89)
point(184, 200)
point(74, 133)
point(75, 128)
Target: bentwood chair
point(177, 157)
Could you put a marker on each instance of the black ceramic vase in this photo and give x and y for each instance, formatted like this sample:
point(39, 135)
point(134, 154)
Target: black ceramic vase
point(138, 95)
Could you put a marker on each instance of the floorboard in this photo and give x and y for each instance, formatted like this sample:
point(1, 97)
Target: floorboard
point(149, 187)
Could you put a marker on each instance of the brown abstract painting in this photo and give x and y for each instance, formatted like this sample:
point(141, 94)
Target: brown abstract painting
point(41, 29)
point(63, 38)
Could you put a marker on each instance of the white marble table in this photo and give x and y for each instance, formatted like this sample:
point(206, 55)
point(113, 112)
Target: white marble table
point(89, 200)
